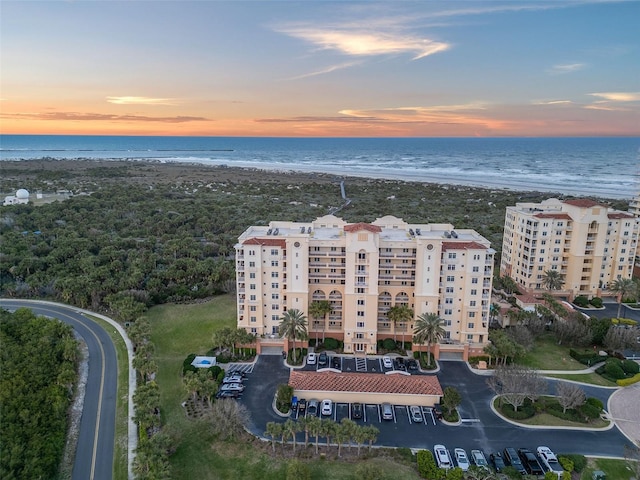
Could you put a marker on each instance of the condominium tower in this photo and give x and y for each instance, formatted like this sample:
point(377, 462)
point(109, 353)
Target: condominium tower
point(362, 270)
point(589, 244)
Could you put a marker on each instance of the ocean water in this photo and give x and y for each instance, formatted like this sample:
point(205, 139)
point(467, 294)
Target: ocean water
point(605, 167)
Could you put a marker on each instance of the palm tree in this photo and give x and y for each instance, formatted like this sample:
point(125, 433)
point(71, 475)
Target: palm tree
point(371, 432)
point(622, 287)
point(319, 309)
point(399, 314)
point(293, 325)
point(429, 330)
point(290, 429)
point(328, 429)
point(552, 280)
point(494, 311)
point(274, 430)
point(315, 428)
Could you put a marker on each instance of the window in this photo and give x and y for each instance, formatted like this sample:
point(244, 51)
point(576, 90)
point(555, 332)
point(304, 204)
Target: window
point(275, 306)
point(474, 291)
point(476, 257)
point(474, 280)
point(360, 324)
point(252, 275)
point(448, 301)
point(252, 298)
point(274, 263)
point(452, 255)
point(254, 330)
point(252, 264)
point(275, 318)
point(362, 256)
point(470, 337)
point(253, 308)
point(252, 286)
point(472, 314)
point(472, 303)
point(452, 267)
point(359, 335)
point(253, 319)
point(449, 290)
point(274, 274)
point(274, 251)
point(275, 285)
point(471, 325)
point(275, 296)
point(476, 269)
point(450, 278)
point(360, 313)
point(359, 290)
point(360, 301)
point(447, 323)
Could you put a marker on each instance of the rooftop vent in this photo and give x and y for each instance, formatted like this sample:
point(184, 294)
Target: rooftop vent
point(269, 232)
point(309, 230)
point(418, 232)
point(454, 234)
point(447, 234)
point(411, 232)
point(276, 231)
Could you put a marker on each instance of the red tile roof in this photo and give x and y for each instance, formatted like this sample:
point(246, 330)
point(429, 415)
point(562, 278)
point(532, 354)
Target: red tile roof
point(614, 215)
point(267, 242)
point(462, 246)
point(354, 227)
point(582, 203)
point(559, 216)
point(365, 383)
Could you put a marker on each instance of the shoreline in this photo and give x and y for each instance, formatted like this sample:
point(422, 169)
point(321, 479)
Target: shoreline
point(312, 173)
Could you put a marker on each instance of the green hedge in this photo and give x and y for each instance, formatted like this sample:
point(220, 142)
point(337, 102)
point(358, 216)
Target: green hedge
point(579, 461)
point(625, 382)
point(586, 358)
point(596, 302)
point(527, 410)
point(581, 301)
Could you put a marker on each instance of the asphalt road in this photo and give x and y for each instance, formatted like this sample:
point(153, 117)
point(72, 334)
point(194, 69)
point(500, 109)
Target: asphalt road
point(94, 454)
point(480, 428)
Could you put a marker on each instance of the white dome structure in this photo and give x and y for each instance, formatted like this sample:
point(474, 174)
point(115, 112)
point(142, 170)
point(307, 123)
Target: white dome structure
point(22, 194)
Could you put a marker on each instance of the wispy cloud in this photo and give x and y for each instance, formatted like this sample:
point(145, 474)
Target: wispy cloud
point(141, 101)
point(618, 96)
point(326, 70)
point(76, 116)
point(367, 43)
point(553, 102)
point(566, 68)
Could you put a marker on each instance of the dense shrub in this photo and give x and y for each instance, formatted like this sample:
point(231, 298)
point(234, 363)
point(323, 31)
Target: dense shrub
point(186, 364)
point(527, 410)
point(389, 344)
point(477, 359)
point(296, 470)
point(331, 343)
point(596, 302)
point(579, 461)
point(427, 467)
point(586, 358)
point(590, 411)
point(566, 463)
point(625, 382)
point(613, 369)
point(630, 367)
point(581, 301)
point(283, 398)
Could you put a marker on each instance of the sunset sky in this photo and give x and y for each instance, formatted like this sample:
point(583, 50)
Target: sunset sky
point(320, 68)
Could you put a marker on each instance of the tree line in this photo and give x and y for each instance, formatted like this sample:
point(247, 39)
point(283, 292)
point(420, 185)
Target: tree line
point(39, 359)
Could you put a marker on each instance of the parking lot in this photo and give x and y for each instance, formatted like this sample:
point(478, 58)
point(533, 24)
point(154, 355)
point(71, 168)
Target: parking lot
point(364, 364)
point(372, 414)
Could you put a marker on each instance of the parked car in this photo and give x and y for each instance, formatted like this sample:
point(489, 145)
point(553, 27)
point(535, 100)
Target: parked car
point(398, 363)
point(412, 365)
point(312, 407)
point(232, 387)
point(511, 458)
point(387, 362)
point(549, 459)
point(497, 461)
point(437, 411)
point(387, 411)
point(228, 394)
point(327, 407)
point(479, 460)
point(530, 462)
point(356, 410)
point(302, 405)
point(461, 459)
point(336, 362)
point(294, 403)
point(323, 359)
point(311, 358)
point(233, 378)
point(442, 457)
point(416, 414)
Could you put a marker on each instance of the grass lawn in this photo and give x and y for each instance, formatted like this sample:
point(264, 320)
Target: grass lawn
point(547, 419)
point(615, 469)
point(548, 355)
point(591, 378)
point(178, 330)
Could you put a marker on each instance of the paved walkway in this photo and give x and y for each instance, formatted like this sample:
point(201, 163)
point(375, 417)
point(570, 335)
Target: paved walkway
point(624, 409)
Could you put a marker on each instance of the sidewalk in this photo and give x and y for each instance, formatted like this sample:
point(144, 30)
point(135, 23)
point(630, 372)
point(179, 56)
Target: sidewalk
point(624, 410)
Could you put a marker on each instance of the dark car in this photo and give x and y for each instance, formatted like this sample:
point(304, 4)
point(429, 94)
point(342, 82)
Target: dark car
point(398, 364)
point(356, 411)
point(323, 359)
point(336, 363)
point(497, 461)
point(302, 405)
point(312, 407)
point(511, 458)
point(530, 461)
point(228, 394)
point(437, 411)
point(412, 365)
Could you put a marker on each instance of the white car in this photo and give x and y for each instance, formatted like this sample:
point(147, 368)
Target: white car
point(233, 378)
point(311, 358)
point(443, 459)
point(549, 459)
point(478, 458)
point(326, 408)
point(416, 414)
point(461, 458)
point(232, 387)
point(387, 362)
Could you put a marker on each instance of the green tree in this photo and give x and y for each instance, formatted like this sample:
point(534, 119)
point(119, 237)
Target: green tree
point(319, 309)
point(552, 280)
point(314, 425)
point(428, 329)
point(274, 430)
point(622, 287)
point(399, 315)
point(450, 400)
point(293, 326)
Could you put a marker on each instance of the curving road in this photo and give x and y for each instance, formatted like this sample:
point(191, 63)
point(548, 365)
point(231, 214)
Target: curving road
point(94, 454)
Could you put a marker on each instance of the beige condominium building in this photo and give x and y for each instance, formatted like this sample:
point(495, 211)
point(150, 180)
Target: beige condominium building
point(589, 244)
point(363, 269)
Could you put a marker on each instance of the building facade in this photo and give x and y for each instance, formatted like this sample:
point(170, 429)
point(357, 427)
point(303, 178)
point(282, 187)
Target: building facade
point(589, 244)
point(362, 270)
